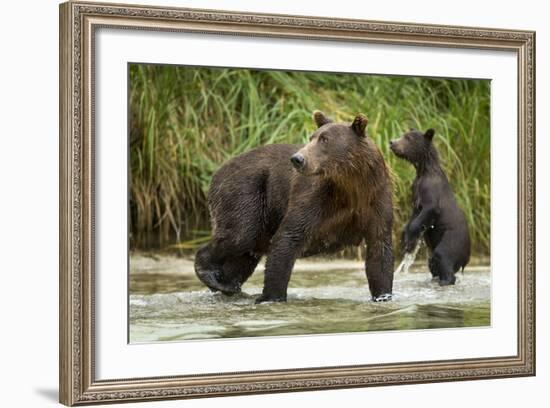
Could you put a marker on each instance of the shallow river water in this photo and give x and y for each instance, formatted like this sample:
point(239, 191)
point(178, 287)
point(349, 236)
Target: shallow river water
point(168, 303)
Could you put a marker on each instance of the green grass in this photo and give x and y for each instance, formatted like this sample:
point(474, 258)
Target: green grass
point(186, 122)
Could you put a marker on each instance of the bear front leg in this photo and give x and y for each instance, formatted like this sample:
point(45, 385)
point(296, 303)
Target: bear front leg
point(414, 229)
point(278, 270)
point(379, 268)
point(287, 245)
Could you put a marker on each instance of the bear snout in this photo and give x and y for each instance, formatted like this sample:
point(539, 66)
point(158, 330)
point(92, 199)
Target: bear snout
point(298, 161)
point(397, 149)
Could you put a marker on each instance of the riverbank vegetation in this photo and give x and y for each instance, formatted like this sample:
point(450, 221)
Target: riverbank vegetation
point(185, 122)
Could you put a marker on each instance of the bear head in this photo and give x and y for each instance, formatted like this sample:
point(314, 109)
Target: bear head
point(331, 147)
point(413, 146)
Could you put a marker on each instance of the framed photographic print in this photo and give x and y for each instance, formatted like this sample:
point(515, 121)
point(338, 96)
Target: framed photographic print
point(256, 203)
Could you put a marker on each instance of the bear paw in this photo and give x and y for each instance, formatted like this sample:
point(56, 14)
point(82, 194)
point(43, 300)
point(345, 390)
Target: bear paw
point(447, 282)
point(218, 284)
point(269, 298)
point(386, 297)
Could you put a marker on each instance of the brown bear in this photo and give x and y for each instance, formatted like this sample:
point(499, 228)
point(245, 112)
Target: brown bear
point(435, 211)
point(291, 201)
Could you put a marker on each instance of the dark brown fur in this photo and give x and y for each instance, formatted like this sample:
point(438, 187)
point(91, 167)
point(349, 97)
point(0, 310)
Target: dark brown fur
point(436, 215)
point(338, 195)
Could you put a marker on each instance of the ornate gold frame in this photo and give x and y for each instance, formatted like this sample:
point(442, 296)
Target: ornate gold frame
point(78, 22)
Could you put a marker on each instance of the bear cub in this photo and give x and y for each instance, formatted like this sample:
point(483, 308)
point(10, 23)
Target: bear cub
point(435, 210)
point(288, 201)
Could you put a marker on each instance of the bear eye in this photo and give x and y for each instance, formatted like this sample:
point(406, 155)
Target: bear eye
point(323, 139)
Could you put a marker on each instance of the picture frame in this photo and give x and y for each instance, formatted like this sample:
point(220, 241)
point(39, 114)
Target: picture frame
point(79, 22)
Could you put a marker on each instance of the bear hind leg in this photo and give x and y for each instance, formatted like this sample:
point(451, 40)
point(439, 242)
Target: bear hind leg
point(441, 267)
point(209, 269)
point(237, 269)
point(434, 268)
point(221, 270)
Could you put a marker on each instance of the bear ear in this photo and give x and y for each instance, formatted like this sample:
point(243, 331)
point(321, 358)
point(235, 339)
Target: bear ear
point(359, 125)
point(320, 118)
point(429, 134)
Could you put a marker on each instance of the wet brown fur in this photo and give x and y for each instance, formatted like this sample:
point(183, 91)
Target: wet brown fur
point(261, 205)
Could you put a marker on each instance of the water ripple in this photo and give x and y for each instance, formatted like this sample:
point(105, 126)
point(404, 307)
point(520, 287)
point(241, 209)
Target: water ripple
point(173, 307)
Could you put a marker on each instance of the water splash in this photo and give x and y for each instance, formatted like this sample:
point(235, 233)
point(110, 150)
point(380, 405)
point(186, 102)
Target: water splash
point(169, 306)
point(408, 260)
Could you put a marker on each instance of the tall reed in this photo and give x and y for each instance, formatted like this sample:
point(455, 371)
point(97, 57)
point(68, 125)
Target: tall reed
point(185, 122)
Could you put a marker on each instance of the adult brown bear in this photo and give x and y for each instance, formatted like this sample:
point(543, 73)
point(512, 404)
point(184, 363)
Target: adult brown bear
point(291, 201)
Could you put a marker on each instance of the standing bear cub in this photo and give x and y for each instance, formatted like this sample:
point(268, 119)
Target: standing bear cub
point(289, 201)
point(435, 211)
